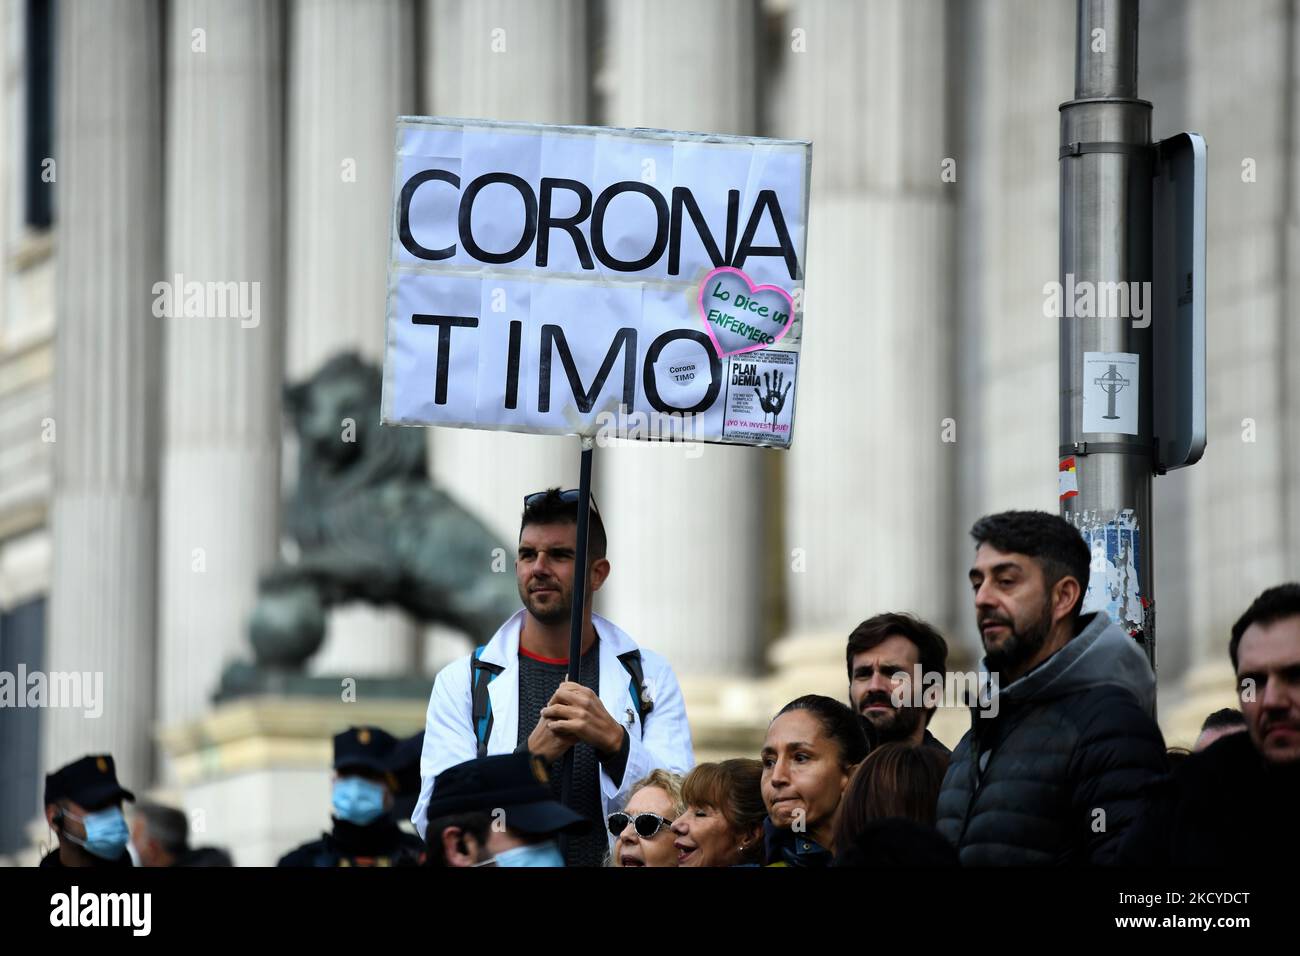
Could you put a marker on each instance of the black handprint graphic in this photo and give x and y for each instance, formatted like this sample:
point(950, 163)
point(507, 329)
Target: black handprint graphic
point(774, 401)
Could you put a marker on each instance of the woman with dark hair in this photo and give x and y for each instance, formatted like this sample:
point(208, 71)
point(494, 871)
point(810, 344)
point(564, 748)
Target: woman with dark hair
point(723, 821)
point(896, 780)
point(898, 783)
point(811, 749)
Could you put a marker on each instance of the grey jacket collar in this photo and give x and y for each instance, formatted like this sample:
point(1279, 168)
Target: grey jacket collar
point(1100, 654)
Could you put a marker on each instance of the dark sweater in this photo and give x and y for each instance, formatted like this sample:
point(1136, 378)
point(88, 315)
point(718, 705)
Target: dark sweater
point(538, 682)
point(51, 859)
point(1217, 809)
point(381, 843)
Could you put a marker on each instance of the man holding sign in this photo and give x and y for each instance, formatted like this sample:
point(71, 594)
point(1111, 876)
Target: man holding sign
point(623, 719)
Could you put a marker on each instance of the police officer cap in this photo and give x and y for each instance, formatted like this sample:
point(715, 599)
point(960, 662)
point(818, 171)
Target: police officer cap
point(516, 783)
point(90, 781)
point(364, 748)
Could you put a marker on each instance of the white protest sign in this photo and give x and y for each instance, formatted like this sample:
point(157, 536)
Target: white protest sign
point(573, 280)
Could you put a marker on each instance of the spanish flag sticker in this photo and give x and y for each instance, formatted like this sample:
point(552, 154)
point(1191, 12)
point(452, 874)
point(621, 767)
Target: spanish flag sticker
point(1068, 479)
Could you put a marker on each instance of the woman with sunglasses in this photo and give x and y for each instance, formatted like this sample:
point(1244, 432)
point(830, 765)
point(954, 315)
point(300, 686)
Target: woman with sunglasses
point(641, 830)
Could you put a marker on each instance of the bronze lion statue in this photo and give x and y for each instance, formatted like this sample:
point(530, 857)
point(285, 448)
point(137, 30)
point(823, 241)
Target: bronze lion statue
point(369, 525)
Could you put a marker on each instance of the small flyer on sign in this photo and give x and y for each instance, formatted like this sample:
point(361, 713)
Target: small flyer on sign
point(759, 407)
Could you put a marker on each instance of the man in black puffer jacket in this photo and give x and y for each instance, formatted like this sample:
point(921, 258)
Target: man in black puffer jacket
point(1053, 767)
point(1239, 797)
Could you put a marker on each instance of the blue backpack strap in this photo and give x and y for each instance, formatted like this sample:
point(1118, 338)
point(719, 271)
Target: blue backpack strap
point(482, 673)
point(636, 688)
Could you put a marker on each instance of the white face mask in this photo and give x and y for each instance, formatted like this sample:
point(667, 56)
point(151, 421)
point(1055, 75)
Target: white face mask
point(546, 853)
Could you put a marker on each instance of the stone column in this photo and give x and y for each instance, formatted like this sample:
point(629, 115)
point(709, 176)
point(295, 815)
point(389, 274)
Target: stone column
point(352, 73)
point(221, 480)
point(522, 60)
point(109, 169)
point(1012, 63)
point(1016, 68)
point(869, 481)
point(1242, 515)
point(688, 535)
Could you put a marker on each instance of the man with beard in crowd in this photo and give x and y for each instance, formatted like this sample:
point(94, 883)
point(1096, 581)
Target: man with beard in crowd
point(885, 688)
point(1051, 773)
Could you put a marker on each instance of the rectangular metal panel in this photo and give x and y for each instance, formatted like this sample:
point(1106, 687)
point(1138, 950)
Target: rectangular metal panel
point(1178, 294)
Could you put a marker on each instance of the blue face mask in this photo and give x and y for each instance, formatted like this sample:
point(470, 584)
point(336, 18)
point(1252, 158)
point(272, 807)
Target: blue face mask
point(106, 832)
point(358, 800)
point(535, 854)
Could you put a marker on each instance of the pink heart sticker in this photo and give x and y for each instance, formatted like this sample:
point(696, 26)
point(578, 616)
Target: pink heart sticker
point(740, 316)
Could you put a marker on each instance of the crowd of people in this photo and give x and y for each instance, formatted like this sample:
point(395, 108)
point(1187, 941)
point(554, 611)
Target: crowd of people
point(1063, 763)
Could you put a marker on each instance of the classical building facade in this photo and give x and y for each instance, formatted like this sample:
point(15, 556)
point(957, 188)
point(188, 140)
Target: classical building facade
point(143, 457)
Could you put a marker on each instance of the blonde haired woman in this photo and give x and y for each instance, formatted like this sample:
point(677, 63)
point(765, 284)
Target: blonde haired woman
point(641, 830)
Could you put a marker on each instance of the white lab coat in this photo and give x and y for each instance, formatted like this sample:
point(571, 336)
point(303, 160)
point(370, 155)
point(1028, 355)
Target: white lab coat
point(449, 732)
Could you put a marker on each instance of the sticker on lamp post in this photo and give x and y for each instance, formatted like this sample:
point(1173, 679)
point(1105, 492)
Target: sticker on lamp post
point(1110, 392)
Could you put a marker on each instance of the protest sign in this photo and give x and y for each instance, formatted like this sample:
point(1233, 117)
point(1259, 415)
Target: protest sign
point(558, 280)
